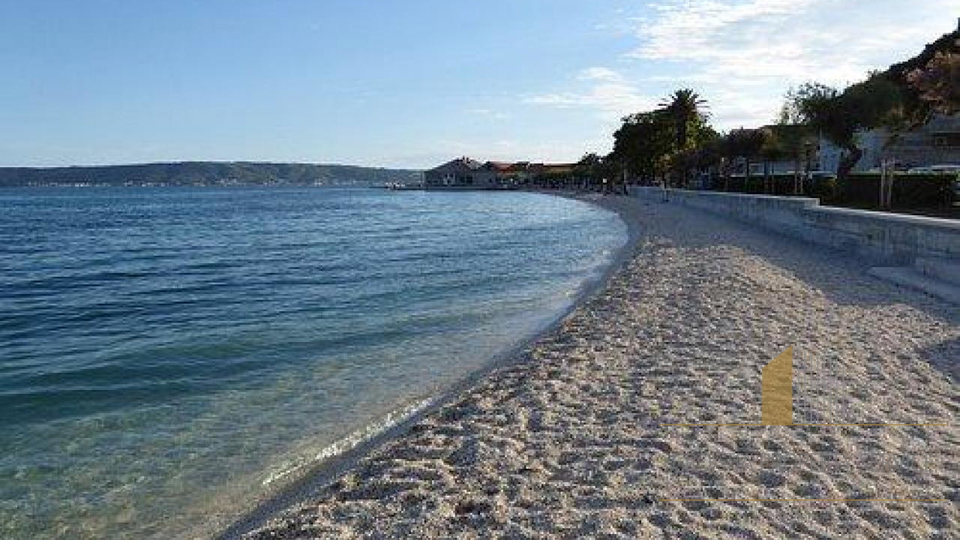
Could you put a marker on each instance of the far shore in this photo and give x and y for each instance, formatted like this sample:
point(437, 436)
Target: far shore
point(569, 439)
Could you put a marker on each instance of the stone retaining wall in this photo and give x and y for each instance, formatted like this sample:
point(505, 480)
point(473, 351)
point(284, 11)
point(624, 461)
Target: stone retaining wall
point(879, 237)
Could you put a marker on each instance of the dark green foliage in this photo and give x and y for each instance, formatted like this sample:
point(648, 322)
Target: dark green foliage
point(834, 114)
point(779, 184)
point(873, 103)
point(824, 188)
point(652, 144)
point(644, 143)
point(591, 166)
point(898, 99)
point(745, 143)
point(688, 112)
point(910, 191)
point(742, 184)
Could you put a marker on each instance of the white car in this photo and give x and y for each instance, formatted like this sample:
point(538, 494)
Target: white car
point(935, 169)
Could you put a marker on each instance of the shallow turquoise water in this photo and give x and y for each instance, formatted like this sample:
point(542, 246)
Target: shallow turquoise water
point(167, 355)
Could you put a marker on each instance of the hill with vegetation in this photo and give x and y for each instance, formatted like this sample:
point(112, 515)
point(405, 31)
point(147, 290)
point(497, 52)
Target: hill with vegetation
point(203, 173)
point(675, 145)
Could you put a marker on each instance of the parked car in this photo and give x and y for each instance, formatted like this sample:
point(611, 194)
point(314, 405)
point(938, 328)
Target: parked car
point(935, 169)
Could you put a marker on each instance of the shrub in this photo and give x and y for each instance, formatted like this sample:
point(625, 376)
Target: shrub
point(909, 191)
point(823, 188)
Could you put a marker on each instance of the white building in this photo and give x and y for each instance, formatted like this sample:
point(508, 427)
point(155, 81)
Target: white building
point(935, 143)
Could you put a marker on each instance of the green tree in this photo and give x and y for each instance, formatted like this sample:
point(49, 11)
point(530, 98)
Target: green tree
point(643, 143)
point(838, 116)
point(792, 140)
point(688, 111)
point(589, 167)
point(659, 144)
point(746, 144)
point(822, 108)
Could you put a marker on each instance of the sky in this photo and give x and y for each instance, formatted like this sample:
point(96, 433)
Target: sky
point(412, 83)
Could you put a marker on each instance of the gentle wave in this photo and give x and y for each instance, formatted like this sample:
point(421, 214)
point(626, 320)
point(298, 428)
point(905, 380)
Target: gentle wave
point(351, 441)
point(168, 356)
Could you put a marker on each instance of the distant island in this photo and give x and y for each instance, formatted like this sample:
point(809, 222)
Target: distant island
point(205, 173)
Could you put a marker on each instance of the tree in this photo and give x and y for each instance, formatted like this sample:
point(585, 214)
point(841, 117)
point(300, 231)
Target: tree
point(710, 155)
point(589, 167)
point(650, 144)
point(771, 150)
point(823, 108)
point(882, 102)
point(746, 144)
point(838, 116)
point(687, 109)
point(701, 154)
point(593, 169)
point(643, 143)
point(792, 140)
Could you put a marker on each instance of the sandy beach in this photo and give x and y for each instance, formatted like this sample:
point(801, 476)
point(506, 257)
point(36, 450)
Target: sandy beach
point(570, 442)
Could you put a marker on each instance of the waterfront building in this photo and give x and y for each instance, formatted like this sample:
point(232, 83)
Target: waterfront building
point(461, 173)
point(935, 143)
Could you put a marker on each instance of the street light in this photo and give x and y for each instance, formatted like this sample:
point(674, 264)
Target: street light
point(808, 153)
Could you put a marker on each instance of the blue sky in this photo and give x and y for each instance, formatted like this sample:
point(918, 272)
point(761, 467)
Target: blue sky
point(409, 83)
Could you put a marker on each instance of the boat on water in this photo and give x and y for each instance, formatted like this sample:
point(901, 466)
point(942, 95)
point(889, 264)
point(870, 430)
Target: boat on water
point(400, 186)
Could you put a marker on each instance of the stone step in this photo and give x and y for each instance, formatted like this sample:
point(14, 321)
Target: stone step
point(939, 268)
point(911, 277)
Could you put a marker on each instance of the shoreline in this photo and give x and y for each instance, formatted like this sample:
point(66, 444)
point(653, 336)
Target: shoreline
point(335, 466)
point(583, 438)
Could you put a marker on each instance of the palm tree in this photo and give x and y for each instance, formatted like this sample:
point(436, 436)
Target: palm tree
point(685, 107)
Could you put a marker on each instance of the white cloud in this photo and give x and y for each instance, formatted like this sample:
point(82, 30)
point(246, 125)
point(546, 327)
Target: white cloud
point(609, 92)
point(744, 54)
point(490, 113)
point(600, 74)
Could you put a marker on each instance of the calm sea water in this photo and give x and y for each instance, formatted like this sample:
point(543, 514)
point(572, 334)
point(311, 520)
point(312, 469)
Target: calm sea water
point(169, 355)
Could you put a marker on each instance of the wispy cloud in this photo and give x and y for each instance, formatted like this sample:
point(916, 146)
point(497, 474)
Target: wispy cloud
point(490, 114)
point(600, 74)
point(606, 91)
point(743, 54)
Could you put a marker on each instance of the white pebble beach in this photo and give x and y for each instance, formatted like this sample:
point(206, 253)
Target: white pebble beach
point(570, 441)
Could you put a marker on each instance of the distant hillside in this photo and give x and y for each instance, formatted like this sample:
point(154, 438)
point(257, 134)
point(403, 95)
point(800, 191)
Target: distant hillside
point(204, 173)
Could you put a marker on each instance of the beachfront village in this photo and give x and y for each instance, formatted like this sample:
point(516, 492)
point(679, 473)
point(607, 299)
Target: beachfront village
point(889, 142)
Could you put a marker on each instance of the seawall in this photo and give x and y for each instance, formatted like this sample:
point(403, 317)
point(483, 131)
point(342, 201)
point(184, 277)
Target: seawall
point(878, 237)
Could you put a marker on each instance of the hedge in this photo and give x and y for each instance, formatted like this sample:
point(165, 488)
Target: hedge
point(910, 191)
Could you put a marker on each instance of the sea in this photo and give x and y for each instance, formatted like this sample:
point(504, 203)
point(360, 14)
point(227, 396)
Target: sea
point(170, 356)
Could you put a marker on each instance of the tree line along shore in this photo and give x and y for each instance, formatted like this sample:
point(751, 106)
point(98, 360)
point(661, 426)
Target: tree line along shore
point(676, 146)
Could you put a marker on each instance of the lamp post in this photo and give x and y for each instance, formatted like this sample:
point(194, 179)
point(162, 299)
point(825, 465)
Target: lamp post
point(808, 152)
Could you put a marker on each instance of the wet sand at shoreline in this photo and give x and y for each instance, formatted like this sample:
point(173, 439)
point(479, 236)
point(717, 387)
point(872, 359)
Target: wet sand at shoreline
point(570, 441)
